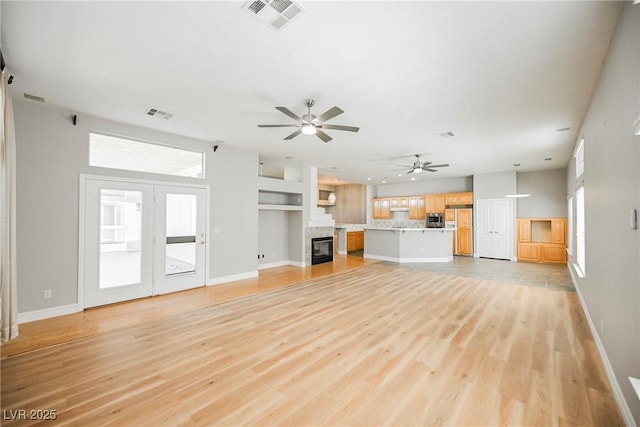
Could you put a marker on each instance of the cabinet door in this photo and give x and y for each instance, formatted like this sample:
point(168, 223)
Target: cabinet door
point(465, 218)
point(385, 208)
point(524, 230)
point(465, 242)
point(403, 202)
point(449, 215)
point(351, 242)
point(451, 199)
point(376, 208)
point(413, 208)
point(465, 198)
point(393, 202)
point(359, 240)
point(559, 231)
point(430, 203)
point(422, 208)
point(439, 203)
point(554, 254)
point(529, 252)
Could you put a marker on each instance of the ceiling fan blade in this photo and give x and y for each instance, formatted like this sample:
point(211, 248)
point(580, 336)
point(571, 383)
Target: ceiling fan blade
point(323, 136)
point(340, 127)
point(444, 165)
point(290, 113)
point(278, 126)
point(330, 113)
point(404, 166)
point(293, 135)
point(430, 170)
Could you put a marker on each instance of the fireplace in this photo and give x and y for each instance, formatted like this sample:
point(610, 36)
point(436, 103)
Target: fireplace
point(321, 250)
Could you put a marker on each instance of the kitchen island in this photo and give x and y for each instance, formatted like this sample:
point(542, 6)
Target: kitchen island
point(409, 244)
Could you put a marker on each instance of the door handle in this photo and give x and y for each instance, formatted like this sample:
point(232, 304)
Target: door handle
point(202, 242)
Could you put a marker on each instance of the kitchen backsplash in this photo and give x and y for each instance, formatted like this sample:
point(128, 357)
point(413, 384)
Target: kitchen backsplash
point(405, 223)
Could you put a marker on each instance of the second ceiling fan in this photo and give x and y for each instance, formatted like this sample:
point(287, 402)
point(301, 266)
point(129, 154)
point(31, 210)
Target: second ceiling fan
point(309, 124)
point(419, 166)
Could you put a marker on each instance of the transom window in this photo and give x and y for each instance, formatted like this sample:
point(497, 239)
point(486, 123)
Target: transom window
point(114, 152)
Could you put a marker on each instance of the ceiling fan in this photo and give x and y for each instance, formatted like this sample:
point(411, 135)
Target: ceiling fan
point(419, 166)
point(310, 124)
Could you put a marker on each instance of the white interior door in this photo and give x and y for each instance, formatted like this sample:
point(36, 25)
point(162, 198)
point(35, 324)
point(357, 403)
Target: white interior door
point(495, 228)
point(180, 239)
point(118, 238)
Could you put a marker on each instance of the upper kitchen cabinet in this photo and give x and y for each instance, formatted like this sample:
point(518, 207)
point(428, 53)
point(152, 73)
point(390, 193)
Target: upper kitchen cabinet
point(417, 207)
point(381, 208)
point(458, 199)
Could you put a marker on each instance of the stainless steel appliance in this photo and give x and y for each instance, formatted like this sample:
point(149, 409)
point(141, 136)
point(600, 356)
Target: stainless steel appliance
point(435, 220)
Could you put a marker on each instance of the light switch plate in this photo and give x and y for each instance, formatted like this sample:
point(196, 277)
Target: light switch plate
point(633, 219)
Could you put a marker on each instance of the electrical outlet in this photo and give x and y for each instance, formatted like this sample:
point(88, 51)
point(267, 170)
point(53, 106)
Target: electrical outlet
point(48, 293)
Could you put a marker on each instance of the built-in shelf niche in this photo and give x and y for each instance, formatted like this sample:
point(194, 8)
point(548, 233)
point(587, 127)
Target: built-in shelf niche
point(324, 192)
point(541, 231)
point(275, 200)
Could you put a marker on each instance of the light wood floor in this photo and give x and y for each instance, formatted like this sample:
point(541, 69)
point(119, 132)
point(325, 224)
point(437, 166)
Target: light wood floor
point(379, 345)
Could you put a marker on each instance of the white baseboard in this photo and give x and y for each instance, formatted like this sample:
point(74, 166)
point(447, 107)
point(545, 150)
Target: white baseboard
point(46, 313)
point(297, 264)
point(611, 376)
point(273, 264)
point(406, 260)
point(232, 278)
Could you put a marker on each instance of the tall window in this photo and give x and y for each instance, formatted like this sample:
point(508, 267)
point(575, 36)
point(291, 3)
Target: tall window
point(579, 155)
point(570, 225)
point(121, 153)
point(580, 230)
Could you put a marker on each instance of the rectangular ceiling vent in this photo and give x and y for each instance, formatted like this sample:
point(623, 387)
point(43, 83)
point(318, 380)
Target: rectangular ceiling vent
point(154, 112)
point(274, 13)
point(33, 97)
point(445, 135)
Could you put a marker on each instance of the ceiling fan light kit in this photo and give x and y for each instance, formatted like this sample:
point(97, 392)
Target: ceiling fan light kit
point(309, 124)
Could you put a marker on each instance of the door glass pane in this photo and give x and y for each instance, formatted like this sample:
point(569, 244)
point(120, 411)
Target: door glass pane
point(181, 234)
point(120, 231)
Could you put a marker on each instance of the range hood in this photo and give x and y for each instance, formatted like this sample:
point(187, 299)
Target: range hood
point(399, 209)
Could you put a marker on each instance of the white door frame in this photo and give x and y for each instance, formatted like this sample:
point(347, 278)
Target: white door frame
point(81, 220)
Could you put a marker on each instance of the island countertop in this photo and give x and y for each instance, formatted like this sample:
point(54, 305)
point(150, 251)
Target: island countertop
point(405, 245)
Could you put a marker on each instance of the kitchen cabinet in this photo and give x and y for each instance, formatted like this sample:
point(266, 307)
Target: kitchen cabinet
point(439, 203)
point(381, 208)
point(430, 203)
point(542, 240)
point(465, 198)
point(465, 231)
point(449, 214)
point(355, 241)
point(417, 207)
point(451, 199)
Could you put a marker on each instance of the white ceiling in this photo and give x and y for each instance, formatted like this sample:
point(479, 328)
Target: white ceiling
point(504, 76)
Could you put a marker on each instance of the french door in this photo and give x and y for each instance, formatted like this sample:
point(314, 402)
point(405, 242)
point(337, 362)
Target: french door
point(495, 228)
point(141, 239)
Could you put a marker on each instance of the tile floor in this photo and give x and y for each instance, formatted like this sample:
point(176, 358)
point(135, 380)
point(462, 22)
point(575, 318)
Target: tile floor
point(549, 276)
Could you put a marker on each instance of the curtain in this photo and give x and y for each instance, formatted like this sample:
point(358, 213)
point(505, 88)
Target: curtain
point(8, 290)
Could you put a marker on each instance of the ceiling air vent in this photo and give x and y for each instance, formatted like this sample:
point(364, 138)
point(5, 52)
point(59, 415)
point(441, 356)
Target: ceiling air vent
point(274, 13)
point(154, 112)
point(33, 97)
point(444, 135)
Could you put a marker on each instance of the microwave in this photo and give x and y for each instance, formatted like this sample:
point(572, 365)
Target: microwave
point(435, 220)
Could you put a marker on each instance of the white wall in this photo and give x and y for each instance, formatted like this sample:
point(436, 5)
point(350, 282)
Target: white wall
point(430, 186)
point(548, 190)
point(494, 185)
point(52, 153)
point(611, 286)
point(273, 236)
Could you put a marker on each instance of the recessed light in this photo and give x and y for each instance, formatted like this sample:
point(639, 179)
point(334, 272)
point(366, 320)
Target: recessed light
point(399, 174)
point(369, 179)
point(384, 181)
point(517, 196)
point(413, 178)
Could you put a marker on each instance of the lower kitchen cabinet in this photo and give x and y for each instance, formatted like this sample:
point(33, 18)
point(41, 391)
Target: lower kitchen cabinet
point(355, 241)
